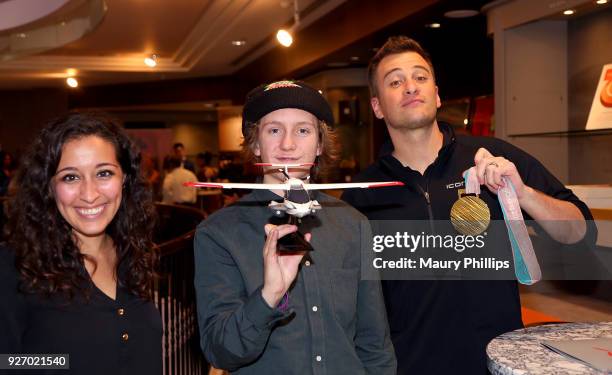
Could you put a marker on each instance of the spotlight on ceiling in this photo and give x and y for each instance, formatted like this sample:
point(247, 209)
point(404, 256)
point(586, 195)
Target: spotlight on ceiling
point(239, 42)
point(151, 61)
point(72, 82)
point(283, 36)
point(569, 12)
point(601, 2)
point(434, 25)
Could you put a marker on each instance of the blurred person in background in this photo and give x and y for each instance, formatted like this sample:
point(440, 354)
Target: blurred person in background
point(7, 171)
point(174, 191)
point(148, 167)
point(180, 153)
point(205, 169)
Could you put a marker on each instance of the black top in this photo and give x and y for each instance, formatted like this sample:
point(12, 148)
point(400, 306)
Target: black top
point(440, 327)
point(102, 335)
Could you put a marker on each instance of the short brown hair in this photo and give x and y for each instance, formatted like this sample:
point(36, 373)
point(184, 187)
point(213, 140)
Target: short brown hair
point(395, 45)
point(328, 139)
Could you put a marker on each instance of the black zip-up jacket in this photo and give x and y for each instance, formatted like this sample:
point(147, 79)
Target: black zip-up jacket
point(443, 327)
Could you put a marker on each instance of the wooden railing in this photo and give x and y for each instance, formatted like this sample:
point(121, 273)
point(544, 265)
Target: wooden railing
point(175, 294)
point(3, 202)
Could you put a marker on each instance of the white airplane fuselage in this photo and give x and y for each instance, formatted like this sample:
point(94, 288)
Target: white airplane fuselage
point(293, 208)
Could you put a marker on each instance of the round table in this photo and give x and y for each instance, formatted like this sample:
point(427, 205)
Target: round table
point(520, 351)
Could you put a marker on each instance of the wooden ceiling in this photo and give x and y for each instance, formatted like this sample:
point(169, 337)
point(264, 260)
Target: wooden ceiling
point(199, 64)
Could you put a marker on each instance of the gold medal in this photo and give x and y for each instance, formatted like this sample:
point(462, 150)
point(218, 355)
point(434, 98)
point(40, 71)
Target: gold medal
point(470, 215)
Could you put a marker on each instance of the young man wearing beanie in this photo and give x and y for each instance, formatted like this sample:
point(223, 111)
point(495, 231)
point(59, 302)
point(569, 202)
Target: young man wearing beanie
point(288, 313)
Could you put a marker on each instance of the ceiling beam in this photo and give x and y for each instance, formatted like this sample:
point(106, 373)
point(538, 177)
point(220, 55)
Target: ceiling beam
point(346, 24)
point(170, 91)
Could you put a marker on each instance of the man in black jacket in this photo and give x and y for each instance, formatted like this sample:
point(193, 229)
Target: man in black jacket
point(440, 327)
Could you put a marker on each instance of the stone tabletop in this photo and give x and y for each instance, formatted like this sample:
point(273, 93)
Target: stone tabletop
point(520, 352)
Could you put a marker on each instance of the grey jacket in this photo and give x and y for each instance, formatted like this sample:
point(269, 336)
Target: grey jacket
point(336, 323)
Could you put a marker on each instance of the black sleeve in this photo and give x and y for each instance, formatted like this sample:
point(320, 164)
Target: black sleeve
point(349, 197)
point(12, 308)
point(357, 199)
point(536, 176)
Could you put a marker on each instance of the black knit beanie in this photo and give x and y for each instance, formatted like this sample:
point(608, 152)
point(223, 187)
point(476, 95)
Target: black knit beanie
point(284, 94)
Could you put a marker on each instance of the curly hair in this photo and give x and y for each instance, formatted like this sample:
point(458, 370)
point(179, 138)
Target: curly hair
point(47, 257)
point(328, 139)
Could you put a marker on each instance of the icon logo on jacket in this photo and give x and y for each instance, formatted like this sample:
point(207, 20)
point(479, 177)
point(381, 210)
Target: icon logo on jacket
point(455, 185)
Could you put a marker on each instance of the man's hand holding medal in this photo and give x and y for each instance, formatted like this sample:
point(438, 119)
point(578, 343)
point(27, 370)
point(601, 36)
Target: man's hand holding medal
point(490, 171)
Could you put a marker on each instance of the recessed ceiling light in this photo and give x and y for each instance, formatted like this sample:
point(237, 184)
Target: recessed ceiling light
point(151, 61)
point(72, 82)
point(354, 58)
point(434, 25)
point(21, 35)
point(601, 2)
point(568, 12)
point(461, 13)
point(239, 42)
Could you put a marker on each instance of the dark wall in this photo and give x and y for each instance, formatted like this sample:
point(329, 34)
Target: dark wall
point(23, 113)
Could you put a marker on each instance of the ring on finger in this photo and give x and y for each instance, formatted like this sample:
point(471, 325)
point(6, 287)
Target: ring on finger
point(493, 163)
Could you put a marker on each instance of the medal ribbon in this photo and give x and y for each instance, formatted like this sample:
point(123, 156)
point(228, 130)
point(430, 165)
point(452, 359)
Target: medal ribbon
point(526, 265)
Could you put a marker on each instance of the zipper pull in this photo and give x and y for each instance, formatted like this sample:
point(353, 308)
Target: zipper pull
point(427, 197)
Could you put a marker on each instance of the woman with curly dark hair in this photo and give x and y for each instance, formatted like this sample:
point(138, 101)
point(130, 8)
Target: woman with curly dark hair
point(76, 276)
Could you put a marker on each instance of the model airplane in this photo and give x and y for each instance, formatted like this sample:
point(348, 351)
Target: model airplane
point(293, 186)
point(297, 203)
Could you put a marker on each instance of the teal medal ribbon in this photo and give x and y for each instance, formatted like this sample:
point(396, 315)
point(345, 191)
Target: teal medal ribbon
point(526, 266)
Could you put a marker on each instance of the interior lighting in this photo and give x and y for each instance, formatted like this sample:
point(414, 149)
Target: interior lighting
point(568, 12)
point(151, 61)
point(283, 36)
point(72, 82)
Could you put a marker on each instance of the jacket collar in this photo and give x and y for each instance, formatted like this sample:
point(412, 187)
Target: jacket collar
point(394, 167)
